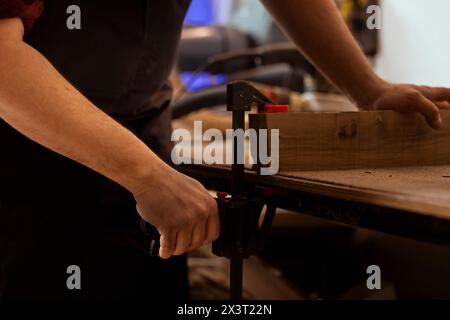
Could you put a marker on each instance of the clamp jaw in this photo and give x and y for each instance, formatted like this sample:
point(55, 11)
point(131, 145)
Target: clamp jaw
point(242, 96)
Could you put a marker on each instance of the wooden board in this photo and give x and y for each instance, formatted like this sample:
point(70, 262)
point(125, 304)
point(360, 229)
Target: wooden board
point(349, 140)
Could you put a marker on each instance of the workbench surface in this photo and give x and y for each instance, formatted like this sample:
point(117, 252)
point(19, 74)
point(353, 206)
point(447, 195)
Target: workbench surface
point(406, 201)
point(423, 190)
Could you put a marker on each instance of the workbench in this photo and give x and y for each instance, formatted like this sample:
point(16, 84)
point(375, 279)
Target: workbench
point(378, 170)
point(412, 202)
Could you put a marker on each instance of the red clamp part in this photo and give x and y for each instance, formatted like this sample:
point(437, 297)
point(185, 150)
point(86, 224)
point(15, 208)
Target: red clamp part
point(222, 196)
point(273, 108)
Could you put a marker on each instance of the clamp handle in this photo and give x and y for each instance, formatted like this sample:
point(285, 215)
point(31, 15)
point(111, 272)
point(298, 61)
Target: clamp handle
point(241, 234)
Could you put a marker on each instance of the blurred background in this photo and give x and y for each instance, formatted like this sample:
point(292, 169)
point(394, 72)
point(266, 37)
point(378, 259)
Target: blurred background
point(309, 258)
point(412, 45)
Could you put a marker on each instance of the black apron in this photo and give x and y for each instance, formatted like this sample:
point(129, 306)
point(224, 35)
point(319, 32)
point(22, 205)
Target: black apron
point(55, 212)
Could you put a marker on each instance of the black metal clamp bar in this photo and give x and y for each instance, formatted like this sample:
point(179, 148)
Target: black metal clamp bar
point(239, 214)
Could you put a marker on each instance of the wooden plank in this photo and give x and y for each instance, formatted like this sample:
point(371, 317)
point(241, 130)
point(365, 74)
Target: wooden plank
point(350, 140)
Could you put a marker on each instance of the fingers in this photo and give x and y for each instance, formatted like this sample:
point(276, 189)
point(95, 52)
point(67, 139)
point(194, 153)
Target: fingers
point(184, 222)
point(212, 229)
point(198, 235)
point(430, 111)
point(435, 94)
point(443, 105)
point(204, 232)
point(184, 241)
point(412, 100)
point(168, 243)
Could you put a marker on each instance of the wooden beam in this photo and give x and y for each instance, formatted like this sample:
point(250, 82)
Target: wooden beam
point(351, 140)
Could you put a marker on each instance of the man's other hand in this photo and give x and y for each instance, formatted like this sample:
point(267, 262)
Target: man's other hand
point(411, 98)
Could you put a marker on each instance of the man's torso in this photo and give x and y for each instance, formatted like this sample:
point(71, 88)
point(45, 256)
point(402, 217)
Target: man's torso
point(122, 55)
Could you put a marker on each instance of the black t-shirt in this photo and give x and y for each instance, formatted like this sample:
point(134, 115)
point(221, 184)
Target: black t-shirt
point(122, 55)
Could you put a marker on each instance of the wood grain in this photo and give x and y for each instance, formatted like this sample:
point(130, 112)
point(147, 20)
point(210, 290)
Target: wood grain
point(424, 190)
point(419, 190)
point(350, 140)
point(398, 206)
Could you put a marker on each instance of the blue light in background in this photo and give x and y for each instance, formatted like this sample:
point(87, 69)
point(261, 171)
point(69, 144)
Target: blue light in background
point(201, 12)
point(202, 80)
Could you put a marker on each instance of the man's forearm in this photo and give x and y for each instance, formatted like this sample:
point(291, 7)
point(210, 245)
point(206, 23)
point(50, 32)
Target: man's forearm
point(37, 101)
point(319, 31)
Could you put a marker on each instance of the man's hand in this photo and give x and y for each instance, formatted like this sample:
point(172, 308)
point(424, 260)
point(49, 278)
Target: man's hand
point(321, 34)
point(182, 211)
point(411, 98)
